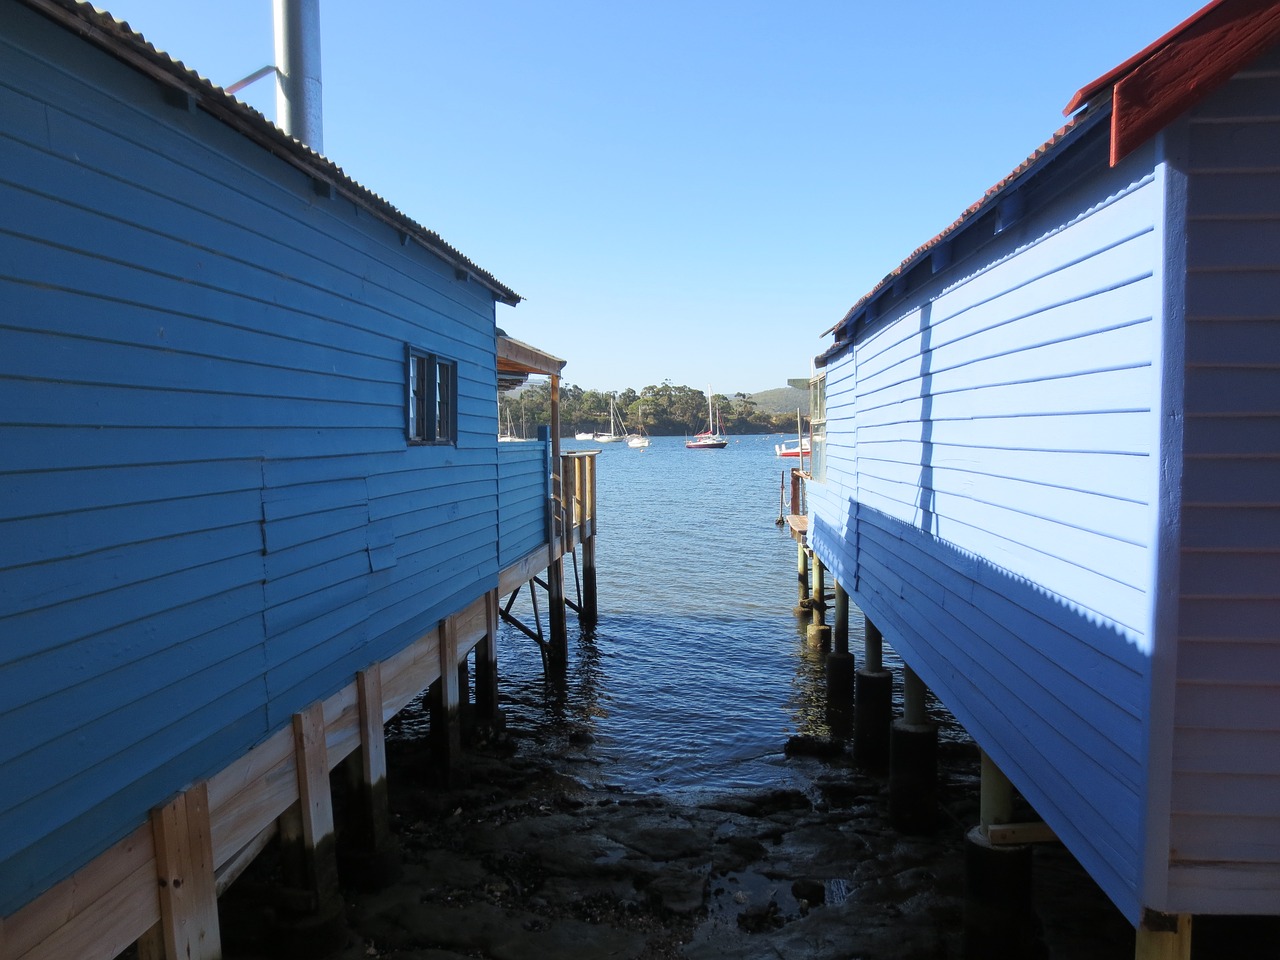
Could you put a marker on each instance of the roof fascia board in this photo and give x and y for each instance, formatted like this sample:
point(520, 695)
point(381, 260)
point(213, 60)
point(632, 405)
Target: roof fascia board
point(1184, 72)
point(517, 357)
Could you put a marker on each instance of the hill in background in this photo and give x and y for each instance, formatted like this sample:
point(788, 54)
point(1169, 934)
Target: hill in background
point(783, 400)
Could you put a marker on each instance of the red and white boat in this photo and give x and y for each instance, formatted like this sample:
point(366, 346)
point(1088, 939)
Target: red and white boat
point(799, 447)
point(710, 438)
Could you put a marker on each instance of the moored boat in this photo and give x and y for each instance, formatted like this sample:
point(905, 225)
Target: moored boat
point(710, 438)
point(798, 447)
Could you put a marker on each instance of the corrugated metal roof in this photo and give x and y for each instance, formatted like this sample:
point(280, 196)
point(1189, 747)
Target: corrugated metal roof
point(122, 41)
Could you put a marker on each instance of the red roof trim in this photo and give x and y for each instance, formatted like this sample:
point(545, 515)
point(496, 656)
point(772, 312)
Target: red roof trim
point(1180, 69)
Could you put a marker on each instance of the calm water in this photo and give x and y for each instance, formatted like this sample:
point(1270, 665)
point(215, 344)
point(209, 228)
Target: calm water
point(698, 670)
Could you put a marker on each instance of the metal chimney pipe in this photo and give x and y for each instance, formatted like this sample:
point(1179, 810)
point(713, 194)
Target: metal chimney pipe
point(299, 105)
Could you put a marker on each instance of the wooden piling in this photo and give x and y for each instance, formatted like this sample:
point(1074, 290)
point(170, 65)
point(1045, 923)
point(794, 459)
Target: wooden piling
point(446, 733)
point(913, 762)
point(873, 696)
point(368, 856)
point(999, 915)
point(590, 604)
point(819, 633)
point(488, 715)
point(802, 578)
point(840, 625)
point(1162, 936)
point(188, 926)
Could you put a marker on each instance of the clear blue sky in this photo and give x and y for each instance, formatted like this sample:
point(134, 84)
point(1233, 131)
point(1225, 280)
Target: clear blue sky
point(686, 190)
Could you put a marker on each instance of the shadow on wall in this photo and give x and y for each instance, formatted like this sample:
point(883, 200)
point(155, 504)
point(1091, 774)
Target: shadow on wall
point(1056, 694)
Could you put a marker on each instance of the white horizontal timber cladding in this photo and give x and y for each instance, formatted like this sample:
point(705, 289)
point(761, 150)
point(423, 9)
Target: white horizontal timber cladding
point(976, 336)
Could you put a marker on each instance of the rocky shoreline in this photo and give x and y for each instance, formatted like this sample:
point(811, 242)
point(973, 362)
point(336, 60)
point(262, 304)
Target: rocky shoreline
point(537, 856)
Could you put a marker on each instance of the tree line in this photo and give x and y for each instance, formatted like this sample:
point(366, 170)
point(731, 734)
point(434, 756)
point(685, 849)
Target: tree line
point(663, 410)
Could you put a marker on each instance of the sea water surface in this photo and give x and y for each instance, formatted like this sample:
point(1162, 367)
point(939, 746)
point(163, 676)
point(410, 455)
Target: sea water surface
point(699, 670)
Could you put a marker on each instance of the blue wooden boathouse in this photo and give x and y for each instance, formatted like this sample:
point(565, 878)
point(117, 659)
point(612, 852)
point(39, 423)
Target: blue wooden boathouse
point(251, 496)
point(1047, 466)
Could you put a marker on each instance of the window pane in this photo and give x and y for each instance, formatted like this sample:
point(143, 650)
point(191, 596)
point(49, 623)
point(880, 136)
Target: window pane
point(444, 402)
point(422, 385)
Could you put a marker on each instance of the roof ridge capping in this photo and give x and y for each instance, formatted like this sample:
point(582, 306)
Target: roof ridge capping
point(1181, 68)
point(122, 41)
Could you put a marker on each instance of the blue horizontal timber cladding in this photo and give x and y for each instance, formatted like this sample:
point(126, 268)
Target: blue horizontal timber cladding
point(209, 515)
point(522, 510)
point(990, 496)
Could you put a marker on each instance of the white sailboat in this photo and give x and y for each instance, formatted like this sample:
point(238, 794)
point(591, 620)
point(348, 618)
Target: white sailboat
point(616, 430)
point(639, 439)
point(710, 438)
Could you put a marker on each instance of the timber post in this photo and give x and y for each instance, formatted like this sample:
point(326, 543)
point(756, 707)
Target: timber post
point(999, 912)
point(913, 762)
point(188, 926)
point(840, 671)
point(873, 696)
point(590, 603)
point(819, 633)
point(1163, 936)
point(442, 697)
point(558, 643)
point(802, 578)
point(488, 715)
point(368, 856)
point(314, 917)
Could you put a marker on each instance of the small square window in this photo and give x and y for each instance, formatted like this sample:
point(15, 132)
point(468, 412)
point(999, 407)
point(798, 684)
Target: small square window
point(431, 398)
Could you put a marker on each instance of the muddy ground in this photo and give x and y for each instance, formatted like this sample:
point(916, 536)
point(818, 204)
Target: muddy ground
point(538, 856)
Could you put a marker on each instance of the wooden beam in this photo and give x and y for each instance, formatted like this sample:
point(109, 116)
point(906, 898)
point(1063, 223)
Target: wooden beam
point(184, 871)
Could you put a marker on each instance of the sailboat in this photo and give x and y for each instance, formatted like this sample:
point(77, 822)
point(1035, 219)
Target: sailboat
point(710, 438)
point(510, 436)
point(616, 430)
point(639, 439)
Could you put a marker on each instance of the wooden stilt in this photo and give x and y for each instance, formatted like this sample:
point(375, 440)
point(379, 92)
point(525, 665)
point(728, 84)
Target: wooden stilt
point(873, 695)
point(1162, 936)
point(310, 914)
point(995, 803)
point(590, 604)
point(913, 762)
point(819, 633)
point(466, 716)
point(367, 851)
point(315, 806)
point(840, 626)
point(487, 713)
point(999, 914)
point(873, 647)
point(840, 672)
point(188, 927)
point(913, 698)
point(446, 735)
point(802, 578)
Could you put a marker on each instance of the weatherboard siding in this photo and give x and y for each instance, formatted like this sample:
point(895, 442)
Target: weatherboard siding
point(522, 499)
point(989, 500)
point(1225, 816)
point(209, 515)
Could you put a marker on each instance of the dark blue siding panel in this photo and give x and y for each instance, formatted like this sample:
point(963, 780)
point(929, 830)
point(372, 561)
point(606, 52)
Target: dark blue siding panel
point(522, 517)
point(209, 515)
point(1224, 811)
